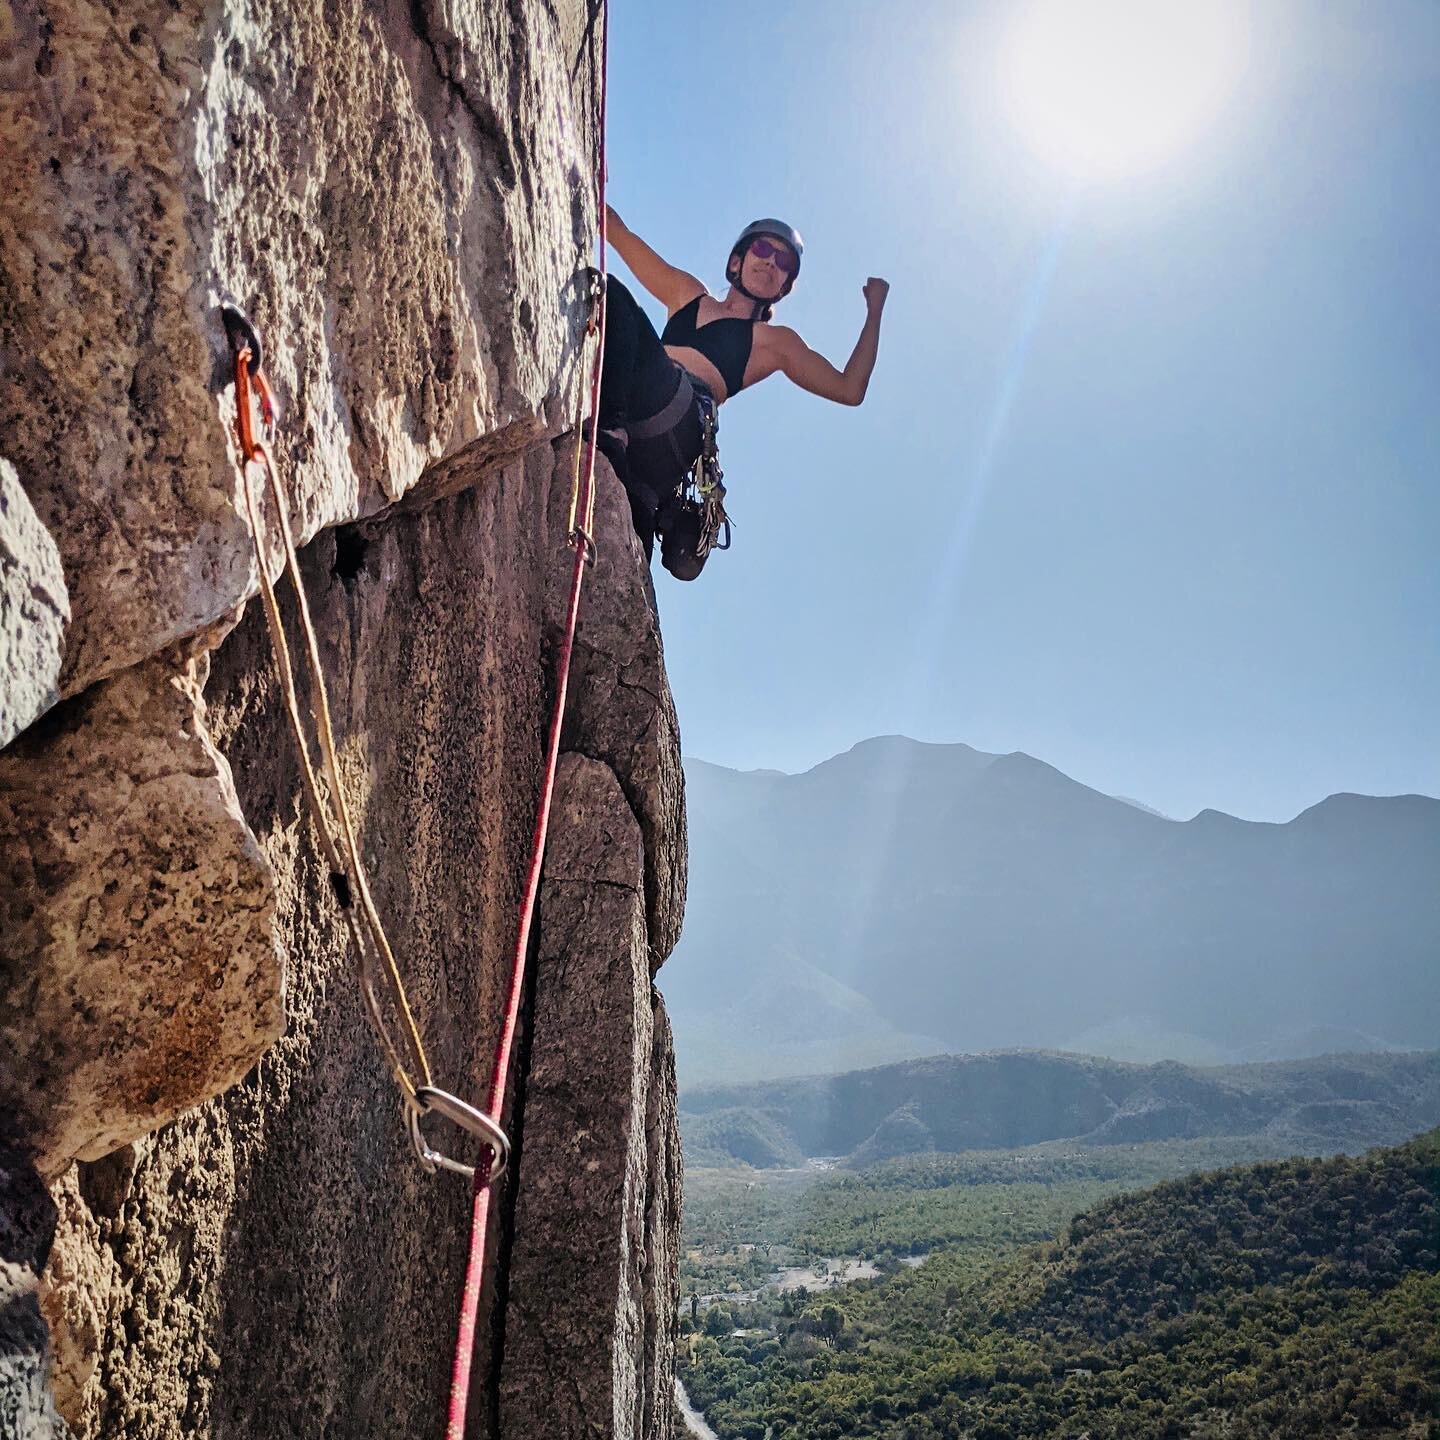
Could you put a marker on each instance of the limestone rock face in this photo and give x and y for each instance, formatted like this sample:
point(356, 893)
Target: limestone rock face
point(401, 196)
point(34, 610)
point(292, 1205)
point(138, 968)
point(621, 713)
point(397, 193)
point(79, 1278)
point(582, 1339)
point(27, 1227)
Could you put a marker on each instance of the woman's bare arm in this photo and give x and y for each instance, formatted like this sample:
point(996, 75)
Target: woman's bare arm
point(811, 371)
point(671, 287)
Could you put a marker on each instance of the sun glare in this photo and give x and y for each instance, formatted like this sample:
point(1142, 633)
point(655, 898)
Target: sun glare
point(1107, 88)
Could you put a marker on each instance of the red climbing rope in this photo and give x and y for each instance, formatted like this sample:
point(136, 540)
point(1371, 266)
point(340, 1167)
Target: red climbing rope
point(582, 542)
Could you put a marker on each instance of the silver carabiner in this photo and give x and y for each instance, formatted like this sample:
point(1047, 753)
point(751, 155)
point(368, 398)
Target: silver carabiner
point(467, 1117)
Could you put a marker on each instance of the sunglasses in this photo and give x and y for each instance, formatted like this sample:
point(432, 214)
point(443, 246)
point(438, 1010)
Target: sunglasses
point(782, 255)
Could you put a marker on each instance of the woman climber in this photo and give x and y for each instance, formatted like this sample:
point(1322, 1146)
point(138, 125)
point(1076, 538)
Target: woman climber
point(658, 393)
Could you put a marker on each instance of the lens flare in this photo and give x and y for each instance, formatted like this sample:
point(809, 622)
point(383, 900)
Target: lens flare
point(1107, 88)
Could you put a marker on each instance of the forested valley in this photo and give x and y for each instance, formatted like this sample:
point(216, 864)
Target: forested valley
point(1285, 1298)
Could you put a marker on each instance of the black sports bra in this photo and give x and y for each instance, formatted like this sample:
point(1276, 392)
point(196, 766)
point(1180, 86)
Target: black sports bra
point(724, 343)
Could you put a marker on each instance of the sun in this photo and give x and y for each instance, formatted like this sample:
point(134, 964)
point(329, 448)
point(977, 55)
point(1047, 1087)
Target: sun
point(1109, 88)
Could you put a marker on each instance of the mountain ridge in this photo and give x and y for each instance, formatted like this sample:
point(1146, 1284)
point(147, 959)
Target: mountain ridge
point(990, 901)
point(897, 741)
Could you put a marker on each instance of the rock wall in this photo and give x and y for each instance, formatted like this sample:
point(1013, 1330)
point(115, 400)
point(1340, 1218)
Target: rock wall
point(401, 196)
point(398, 193)
point(292, 1205)
point(134, 892)
point(34, 610)
point(27, 1230)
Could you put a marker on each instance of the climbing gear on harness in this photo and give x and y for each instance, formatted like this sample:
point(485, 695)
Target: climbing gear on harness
point(691, 520)
point(771, 229)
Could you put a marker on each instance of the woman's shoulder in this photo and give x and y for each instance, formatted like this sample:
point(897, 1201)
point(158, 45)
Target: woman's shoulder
point(776, 337)
point(693, 303)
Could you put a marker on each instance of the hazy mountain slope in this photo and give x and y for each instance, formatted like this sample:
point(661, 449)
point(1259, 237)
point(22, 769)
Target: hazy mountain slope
point(1011, 1099)
point(992, 901)
point(794, 1020)
point(1143, 1039)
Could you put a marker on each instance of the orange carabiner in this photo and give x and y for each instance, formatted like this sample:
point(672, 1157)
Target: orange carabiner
point(244, 411)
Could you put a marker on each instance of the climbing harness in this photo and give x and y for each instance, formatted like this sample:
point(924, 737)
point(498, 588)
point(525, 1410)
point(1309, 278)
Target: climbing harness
point(692, 520)
point(377, 969)
point(691, 517)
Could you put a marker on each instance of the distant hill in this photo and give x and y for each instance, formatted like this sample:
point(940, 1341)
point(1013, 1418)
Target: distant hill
point(960, 900)
point(1144, 1039)
point(1288, 1299)
point(1009, 1099)
point(1372, 1218)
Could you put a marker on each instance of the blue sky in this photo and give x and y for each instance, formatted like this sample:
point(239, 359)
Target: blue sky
point(1146, 481)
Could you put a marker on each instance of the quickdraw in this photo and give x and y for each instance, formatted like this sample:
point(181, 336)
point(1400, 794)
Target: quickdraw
point(581, 532)
point(376, 960)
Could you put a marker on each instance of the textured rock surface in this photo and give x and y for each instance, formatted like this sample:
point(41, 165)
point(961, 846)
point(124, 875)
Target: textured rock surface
point(621, 714)
point(291, 1205)
point(397, 192)
point(401, 195)
point(138, 968)
point(34, 610)
point(27, 1225)
point(592, 1275)
point(660, 1264)
point(80, 1277)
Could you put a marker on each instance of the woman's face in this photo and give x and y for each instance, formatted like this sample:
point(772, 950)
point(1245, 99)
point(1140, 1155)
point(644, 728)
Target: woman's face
point(767, 275)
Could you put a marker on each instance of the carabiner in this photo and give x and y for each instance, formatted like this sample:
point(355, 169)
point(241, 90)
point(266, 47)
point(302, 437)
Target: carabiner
point(467, 1117)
